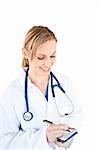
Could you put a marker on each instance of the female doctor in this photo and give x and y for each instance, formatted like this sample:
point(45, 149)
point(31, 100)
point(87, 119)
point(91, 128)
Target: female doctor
point(39, 106)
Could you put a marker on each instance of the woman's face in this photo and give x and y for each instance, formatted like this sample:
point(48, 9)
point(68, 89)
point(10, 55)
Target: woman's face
point(44, 58)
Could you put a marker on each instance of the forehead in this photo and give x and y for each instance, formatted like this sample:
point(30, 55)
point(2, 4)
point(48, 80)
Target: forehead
point(47, 48)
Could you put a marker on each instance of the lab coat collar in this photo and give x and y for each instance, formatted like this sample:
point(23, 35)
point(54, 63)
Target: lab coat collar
point(21, 77)
point(30, 84)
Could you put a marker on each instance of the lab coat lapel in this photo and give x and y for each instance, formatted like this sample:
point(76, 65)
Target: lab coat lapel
point(37, 101)
point(52, 114)
point(37, 106)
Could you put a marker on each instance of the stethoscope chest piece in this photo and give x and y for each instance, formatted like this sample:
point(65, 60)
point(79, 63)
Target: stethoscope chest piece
point(27, 116)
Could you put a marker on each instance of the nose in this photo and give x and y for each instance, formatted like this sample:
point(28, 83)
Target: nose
point(47, 63)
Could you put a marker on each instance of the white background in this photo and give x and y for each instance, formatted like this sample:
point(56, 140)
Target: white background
point(75, 23)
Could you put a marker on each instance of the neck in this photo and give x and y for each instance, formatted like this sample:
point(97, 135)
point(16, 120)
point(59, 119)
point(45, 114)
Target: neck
point(38, 79)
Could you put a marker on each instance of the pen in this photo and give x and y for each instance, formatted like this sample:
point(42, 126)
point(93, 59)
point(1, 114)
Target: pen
point(47, 121)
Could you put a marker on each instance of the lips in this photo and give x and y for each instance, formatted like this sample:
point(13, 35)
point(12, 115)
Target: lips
point(45, 70)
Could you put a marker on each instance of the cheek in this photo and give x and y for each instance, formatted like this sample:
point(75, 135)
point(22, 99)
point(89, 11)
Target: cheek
point(41, 63)
point(34, 65)
point(53, 61)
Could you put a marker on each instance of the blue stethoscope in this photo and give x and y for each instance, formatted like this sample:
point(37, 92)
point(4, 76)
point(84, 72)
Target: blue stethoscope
point(27, 116)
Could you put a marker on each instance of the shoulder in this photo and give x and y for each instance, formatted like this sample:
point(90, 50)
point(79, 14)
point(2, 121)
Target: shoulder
point(62, 78)
point(65, 82)
point(13, 90)
point(9, 92)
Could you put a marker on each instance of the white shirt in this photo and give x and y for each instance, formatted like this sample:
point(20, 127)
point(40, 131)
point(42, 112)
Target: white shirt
point(33, 133)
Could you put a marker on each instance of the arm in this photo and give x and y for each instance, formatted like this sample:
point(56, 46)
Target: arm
point(75, 118)
point(72, 120)
point(13, 138)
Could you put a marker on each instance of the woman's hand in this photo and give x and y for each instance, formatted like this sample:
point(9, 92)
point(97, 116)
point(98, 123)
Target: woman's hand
point(55, 131)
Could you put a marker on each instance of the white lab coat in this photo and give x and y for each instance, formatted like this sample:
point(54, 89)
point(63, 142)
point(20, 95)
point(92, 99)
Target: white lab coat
point(33, 133)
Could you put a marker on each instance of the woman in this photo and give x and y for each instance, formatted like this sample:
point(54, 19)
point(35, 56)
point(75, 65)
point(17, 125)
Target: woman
point(34, 112)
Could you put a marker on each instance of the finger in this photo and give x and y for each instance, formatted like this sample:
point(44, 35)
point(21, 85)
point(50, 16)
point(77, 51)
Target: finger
point(56, 133)
point(70, 128)
point(65, 126)
point(59, 144)
point(53, 136)
point(57, 127)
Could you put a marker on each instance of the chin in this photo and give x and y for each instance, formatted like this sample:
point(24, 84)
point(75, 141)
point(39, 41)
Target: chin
point(45, 73)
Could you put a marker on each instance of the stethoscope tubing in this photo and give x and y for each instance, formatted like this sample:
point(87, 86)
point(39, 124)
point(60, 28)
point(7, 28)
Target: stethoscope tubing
point(58, 84)
point(27, 114)
point(26, 89)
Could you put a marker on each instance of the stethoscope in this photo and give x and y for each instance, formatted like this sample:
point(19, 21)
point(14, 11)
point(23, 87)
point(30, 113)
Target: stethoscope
point(27, 116)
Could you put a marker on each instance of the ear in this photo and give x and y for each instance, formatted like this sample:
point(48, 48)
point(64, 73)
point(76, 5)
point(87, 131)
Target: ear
point(25, 53)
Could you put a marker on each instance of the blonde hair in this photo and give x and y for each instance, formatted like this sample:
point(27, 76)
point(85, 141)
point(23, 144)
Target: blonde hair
point(36, 36)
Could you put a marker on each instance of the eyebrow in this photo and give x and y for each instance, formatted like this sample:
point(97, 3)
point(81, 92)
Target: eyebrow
point(44, 54)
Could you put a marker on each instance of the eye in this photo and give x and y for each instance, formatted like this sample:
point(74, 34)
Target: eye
point(52, 56)
point(40, 58)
